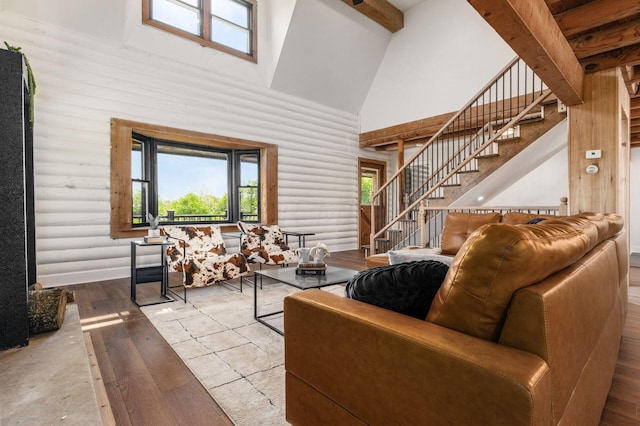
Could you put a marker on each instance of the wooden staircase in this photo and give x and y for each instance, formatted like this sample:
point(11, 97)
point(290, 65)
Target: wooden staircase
point(528, 131)
point(506, 116)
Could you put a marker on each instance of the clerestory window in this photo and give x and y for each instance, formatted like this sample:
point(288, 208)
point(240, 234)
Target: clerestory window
point(226, 25)
point(187, 177)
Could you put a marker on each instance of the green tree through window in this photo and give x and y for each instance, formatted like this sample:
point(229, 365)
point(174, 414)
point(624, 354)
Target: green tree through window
point(366, 186)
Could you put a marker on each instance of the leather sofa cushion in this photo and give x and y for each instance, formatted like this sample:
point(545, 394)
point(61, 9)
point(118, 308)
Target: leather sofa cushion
point(407, 288)
point(458, 226)
point(499, 259)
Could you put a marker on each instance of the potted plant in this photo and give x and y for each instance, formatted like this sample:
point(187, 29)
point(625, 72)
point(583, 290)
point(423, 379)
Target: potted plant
point(153, 225)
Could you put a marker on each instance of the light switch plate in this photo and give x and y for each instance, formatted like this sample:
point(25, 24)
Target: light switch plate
point(594, 153)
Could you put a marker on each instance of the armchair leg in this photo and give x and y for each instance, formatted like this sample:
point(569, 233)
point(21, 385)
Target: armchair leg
point(233, 286)
point(246, 277)
point(175, 293)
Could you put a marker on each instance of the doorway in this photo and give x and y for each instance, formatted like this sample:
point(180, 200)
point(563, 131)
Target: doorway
point(372, 174)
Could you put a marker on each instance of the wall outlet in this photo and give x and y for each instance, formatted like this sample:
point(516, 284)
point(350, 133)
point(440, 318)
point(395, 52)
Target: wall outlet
point(594, 153)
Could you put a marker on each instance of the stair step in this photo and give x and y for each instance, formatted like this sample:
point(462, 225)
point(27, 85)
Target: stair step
point(531, 118)
point(515, 138)
point(487, 156)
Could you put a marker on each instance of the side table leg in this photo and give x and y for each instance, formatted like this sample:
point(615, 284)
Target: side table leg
point(133, 272)
point(165, 273)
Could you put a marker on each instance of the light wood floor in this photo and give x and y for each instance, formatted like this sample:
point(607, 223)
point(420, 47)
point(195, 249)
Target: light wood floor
point(147, 383)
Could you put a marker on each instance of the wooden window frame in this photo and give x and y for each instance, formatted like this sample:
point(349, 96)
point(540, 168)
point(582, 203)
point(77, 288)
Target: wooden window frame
point(121, 208)
point(205, 40)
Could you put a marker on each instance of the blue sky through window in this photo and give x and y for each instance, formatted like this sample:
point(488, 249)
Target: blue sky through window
point(179, 175)
point(176, 15)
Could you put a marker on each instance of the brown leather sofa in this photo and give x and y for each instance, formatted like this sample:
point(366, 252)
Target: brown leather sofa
point(457, 227)
point(525, 330)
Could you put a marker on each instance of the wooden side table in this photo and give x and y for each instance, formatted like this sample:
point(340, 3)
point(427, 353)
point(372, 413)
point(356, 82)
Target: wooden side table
point(146, 274)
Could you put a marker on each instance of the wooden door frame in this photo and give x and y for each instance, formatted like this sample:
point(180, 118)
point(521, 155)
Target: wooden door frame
point(369, 163)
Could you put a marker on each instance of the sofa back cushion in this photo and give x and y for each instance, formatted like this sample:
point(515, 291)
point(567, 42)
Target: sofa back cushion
point(458, 226)
point(497, 260)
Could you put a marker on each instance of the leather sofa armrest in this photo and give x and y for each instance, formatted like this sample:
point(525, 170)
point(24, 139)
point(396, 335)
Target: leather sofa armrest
point(387, 368)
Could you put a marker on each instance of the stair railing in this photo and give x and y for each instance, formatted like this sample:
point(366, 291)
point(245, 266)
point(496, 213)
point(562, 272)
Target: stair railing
point(513, 94)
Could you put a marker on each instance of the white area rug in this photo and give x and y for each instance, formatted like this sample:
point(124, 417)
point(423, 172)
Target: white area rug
point(238, 360)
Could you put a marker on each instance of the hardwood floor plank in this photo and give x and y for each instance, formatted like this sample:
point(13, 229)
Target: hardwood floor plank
point(147, 383)
point(145, 380)
point(164, 367)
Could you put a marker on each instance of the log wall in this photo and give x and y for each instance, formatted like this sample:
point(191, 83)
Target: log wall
point(83, 82)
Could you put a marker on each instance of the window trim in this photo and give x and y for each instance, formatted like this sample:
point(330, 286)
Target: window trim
point(121, 224)
point(204, 41)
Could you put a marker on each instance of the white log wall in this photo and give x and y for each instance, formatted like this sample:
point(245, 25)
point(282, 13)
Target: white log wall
point(83, 82)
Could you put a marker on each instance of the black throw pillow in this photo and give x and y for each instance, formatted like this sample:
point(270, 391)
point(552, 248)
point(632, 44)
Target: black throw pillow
point(408, 288)
point(536, 220)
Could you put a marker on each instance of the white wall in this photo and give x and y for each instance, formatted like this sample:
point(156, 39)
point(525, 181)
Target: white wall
point(144, 75)
point(544, 186)
point(442, 57)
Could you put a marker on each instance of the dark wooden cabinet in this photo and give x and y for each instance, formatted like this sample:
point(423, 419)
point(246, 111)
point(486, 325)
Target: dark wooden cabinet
point(17, 216)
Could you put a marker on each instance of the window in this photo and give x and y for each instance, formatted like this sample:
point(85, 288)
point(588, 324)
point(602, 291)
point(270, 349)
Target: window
point(223, 184)
point(188, 178)
point(226, 25)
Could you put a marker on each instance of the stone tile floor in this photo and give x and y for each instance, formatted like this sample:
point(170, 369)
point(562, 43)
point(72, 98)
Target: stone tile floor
point(49, 381)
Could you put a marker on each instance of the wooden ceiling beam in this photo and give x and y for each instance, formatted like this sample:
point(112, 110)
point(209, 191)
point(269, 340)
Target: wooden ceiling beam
point(531, 31)
point(634, 76)
point(607, 39)
point(594, 14)
point(556, 6)
point(630, 79)
point(418, 129)
point(380, 11)
point(628, 73)
point(625, 56)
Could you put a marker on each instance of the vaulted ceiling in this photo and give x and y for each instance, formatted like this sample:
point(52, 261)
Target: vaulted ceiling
point(562, 39)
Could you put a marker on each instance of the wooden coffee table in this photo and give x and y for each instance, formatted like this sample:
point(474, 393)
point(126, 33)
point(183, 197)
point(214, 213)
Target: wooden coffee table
point(333, 275)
